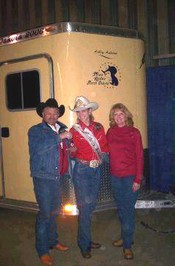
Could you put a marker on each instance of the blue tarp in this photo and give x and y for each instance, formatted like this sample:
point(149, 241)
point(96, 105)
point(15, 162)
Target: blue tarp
point(161, 127)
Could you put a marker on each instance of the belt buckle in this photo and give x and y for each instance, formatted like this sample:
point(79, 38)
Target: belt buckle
point(94, 163)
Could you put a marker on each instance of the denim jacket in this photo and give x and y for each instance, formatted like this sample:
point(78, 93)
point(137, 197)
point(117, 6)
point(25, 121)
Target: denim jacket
point(44, 151)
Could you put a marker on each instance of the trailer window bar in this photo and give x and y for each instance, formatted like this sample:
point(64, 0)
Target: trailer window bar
point(22, 90)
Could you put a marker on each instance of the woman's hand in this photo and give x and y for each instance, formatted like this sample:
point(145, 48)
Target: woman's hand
point(72, 149)
point(135, 187)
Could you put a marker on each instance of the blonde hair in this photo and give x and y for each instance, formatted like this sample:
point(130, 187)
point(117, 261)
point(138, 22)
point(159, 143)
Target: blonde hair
point(124, 109)
point(91, 117)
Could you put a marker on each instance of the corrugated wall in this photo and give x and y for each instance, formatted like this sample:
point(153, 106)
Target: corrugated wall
point(155, 19)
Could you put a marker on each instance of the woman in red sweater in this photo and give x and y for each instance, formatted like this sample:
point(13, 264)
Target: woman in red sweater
point(126, 169)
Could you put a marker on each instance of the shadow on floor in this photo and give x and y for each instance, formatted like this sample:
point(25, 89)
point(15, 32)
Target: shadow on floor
point(154, 239)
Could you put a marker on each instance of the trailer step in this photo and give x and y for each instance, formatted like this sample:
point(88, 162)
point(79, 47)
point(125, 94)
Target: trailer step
point(154, 204)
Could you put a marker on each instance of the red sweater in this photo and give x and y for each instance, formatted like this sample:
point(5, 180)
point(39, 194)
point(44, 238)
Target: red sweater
point(125, 152)
point(84, 150)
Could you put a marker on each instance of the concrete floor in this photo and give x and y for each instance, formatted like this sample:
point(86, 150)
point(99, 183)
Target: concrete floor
point(154, 239)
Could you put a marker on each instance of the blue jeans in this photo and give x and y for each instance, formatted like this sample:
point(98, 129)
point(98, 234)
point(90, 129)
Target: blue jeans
point(86, 182)
point(125, 200)
point(48, 197)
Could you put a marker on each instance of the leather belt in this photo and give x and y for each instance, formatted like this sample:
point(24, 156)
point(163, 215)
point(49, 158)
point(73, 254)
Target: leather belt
point(92, 163)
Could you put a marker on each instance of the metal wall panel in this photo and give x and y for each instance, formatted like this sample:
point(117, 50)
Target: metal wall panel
point(77, 10)
point(153, 18)
point(123, 14)
point(152, 30)
point(132, 14)
point(114, 21)
point(171, 23)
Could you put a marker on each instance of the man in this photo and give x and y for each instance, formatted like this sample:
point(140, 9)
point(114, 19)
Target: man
point(48, 161)
point(90, 143)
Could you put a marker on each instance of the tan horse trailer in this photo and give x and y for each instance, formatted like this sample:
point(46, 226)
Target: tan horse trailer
point(63, 61)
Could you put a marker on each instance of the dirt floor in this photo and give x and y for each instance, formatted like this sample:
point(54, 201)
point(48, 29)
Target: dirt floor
point(154, 243)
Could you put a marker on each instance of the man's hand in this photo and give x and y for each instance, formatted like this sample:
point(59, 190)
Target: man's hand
point(66, 135)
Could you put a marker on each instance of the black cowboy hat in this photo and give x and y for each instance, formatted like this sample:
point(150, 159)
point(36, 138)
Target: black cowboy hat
point(51, 102)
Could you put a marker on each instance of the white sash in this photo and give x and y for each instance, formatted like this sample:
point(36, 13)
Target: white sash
point(91, 139)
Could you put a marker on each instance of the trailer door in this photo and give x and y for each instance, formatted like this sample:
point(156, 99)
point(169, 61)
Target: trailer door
point(24, 83)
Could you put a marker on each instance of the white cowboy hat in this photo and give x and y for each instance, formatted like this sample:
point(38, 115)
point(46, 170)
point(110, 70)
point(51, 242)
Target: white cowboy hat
point(82, 103)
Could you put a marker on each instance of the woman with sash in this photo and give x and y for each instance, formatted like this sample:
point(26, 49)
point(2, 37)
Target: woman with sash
point(90, 145)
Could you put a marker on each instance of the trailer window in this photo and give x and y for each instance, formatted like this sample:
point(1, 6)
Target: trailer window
point(23, 90)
